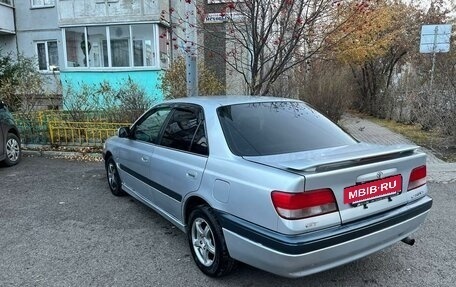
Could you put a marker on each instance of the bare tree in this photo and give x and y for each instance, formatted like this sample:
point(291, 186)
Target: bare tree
point(267, 38)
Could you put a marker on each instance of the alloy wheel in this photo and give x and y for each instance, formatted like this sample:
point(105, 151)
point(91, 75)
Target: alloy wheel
point(203, 242)
point(112, 176)
point(12, 150)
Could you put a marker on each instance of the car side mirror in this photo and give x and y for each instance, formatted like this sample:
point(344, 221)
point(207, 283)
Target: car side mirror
point(123, 132)
point(2, 105)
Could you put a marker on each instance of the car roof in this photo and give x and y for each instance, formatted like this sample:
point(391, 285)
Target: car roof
point(217, 101)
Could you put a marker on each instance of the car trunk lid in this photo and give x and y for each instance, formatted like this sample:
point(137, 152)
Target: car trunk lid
point(356, 174)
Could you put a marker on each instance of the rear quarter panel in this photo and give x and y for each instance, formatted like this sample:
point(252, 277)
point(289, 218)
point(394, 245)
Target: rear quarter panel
point(249, 188)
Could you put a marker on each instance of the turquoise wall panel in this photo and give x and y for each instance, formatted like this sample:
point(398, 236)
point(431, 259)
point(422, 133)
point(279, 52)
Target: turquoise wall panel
point(149, 80)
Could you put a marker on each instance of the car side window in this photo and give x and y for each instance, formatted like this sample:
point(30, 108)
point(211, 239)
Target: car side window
point(186, 131)
point(148, 128)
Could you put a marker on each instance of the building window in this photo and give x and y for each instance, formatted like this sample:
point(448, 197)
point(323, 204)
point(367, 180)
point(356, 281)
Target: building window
point(75, 47)
point(143, 46)
point(48, 56)
point(96, 38)
point(42, 3)
point(120, 45)
point(116, 46)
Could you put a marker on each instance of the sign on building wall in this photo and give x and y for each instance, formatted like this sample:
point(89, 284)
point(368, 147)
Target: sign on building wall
point(213, 18)
point(222, 1)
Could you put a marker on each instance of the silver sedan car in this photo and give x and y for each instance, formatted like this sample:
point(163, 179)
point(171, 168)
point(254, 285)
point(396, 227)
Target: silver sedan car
point(269, 182)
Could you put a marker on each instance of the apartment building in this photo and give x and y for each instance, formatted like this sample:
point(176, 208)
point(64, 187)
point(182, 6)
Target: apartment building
point(91, 41)
point(80, 41)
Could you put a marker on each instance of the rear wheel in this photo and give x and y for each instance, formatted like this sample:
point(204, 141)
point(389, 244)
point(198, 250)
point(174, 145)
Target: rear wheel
point(113, 178)
point(13, 150)
point(207, 243)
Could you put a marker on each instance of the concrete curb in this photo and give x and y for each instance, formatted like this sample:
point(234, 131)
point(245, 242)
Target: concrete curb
point(442, 173)
point(62, 154)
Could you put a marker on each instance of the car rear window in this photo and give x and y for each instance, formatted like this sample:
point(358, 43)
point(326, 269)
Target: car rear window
point(268, 128)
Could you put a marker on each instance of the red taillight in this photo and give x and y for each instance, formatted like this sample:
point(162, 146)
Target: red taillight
point(417, 177)
point(304, 204)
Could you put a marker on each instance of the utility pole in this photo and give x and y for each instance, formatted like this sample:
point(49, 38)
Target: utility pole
point(434, 49)
point(435, 38)
point(191, 49)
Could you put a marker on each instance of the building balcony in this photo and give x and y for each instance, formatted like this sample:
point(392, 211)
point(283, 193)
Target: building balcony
point(7, 17)
point(81, 12)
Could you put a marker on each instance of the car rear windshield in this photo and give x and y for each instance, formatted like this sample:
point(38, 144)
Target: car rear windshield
point(268, 128)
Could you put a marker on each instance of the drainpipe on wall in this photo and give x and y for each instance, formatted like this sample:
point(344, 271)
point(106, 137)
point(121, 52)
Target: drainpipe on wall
point(15, 29)
point(171, 53)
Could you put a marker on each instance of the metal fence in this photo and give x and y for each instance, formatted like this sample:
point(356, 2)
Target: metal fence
point(81, 133)
point(33, 129)
point(59, 128)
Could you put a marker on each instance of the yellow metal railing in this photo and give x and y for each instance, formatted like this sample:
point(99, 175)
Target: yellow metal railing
point(81, 133)
point(61, 128)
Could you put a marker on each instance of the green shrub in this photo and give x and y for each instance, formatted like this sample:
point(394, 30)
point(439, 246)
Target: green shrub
point(174, 82)
point(123, 102)
point(21, 85)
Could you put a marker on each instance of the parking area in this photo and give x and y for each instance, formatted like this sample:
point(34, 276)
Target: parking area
point(60, 226)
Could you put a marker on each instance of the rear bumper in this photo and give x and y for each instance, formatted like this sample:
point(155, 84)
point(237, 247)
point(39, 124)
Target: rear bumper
point(300, 255)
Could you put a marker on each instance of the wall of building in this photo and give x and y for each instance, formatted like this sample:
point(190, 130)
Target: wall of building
point(218, 50)
point(149, 80)
point(34, 25)
point(235, 82)
point(214, 42)
point(73, 12)
point(8, 44)
point(7, 18)
point(28, 18)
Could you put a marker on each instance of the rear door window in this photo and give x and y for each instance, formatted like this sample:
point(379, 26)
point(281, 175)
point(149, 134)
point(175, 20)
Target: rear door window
point(185, 131)
point(268, 128)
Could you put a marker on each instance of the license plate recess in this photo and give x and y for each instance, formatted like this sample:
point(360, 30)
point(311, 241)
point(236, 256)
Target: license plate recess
point(373, 190)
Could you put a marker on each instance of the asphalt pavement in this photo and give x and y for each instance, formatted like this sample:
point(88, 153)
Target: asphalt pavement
point(60, 226)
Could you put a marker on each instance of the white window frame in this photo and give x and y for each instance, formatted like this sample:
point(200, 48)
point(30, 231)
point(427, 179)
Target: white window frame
point(144, 50)
point(157, 63)
point(44, 5)
point(130, 43)
point(7, 2)
point(65, 59)
point(48, 67)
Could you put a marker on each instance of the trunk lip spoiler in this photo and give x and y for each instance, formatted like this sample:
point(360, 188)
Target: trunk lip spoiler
point(310, 161)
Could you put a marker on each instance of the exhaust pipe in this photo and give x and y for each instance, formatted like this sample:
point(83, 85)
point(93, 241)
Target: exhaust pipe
point(408, 240)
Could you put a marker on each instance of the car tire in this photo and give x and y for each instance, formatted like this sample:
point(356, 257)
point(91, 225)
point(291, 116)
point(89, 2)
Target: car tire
point(13, 150)
point(114, 182)
point(207, 243)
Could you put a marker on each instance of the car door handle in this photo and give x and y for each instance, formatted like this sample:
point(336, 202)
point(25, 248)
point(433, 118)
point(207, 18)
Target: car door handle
point(192, 174)
point(145, 159)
